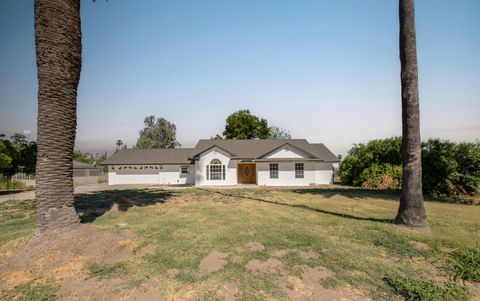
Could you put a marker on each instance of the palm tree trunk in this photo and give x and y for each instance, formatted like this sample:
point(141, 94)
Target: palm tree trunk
point(411, 212)
point(58, 52)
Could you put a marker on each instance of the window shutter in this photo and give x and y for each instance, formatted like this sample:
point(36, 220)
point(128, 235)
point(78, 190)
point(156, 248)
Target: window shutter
point(223, 171)
point(208, 175)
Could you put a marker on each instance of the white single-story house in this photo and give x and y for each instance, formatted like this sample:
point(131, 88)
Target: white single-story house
point(289, 162)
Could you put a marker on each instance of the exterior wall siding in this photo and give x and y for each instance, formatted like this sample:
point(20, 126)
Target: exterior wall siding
point(205, 159)
point(164, 175)
point(314, 173)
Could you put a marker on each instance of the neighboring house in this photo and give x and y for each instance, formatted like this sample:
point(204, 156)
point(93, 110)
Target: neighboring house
point(85, 174)
point(290, 162)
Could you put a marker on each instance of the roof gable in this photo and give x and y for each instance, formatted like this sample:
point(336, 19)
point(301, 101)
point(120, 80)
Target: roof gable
point(246, 149)
point(288, 151)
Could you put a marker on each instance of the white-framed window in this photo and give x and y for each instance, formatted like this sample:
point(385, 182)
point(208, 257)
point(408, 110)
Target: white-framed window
point(299, 170)
point(184, 170)
point(215, 171)
point(273, 170)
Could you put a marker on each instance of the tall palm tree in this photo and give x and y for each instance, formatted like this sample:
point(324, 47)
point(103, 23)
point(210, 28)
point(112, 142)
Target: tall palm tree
point(58, 53)
point(411, 212)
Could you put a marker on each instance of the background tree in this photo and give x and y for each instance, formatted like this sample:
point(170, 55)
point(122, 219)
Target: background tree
point(89, 158)
point(376, 164)
point(80, 156)
point(243, 125)
point(59, 57)
point(411, 211)
point(19, 140)
point(451, 169)
point(11, 154)
point(5, 159)
point(119, 144)
point(28, 158)
point(278, 133)
point(27, 153)
point(159, 134)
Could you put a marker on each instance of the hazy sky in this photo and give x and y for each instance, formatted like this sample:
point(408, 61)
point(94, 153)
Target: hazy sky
point(327, 71)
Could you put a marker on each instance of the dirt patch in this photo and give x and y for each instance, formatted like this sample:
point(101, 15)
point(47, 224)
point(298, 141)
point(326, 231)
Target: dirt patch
point(309, 287)
point(475, 289)
point(172, 273)
point(446, 250)
point(212, 262)
point(230, 292)
point(270, 266)
point(308, 254)
point(255, 246)
point(282, 253)
point(61, 256)
point(420, 245)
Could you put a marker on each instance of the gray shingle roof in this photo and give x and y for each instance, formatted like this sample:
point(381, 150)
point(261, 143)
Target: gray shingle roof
point(150, 156)
point(254, 149)
point(240, 149)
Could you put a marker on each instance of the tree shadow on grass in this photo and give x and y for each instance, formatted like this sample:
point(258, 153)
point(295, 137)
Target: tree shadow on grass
point(352, 192)
point(318, 210)
point(89, 206)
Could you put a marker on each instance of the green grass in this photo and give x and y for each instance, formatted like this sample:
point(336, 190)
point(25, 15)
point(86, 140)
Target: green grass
point(465, 264)
point(17, 222)
point(349, 232)
point(413, 289)
point(106, 271)
point(31, 292)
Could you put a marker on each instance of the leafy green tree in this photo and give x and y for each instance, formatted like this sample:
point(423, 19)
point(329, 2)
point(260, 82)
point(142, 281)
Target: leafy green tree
point(27, 160)
point(28, 157)
point(11, 158)
point(451, 169)
point(5, 159)
point(278, 133)
point(157, 134)
point(79, 156)
point(367, 164)
point(19, 140)
point(243, 125)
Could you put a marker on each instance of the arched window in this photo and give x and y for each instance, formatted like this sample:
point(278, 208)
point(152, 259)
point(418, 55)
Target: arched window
point(215, 171)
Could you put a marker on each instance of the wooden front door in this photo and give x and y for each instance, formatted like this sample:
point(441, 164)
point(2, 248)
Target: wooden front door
point(246, 173)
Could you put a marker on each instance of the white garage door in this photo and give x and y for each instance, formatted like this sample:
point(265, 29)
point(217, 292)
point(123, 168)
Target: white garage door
point(138, 179)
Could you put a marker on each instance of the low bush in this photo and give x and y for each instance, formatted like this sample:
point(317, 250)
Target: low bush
point(373, 165)
point(414, 289)
point(450, 169)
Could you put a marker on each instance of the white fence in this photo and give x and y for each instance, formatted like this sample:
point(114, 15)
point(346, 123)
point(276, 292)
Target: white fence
point(20, 176)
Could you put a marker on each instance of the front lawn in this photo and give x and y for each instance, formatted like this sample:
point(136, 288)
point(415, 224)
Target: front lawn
point(265, 244)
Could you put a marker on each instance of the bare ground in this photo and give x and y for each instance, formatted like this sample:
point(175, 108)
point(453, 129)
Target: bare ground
point(62, 257)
